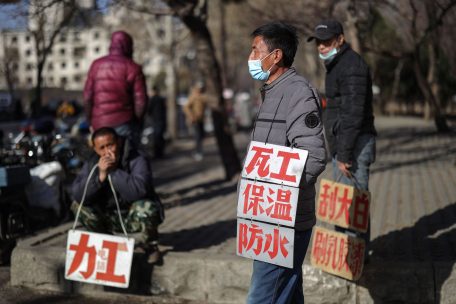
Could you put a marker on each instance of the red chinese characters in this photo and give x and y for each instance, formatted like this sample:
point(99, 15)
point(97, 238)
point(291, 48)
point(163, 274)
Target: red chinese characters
point(264, 242)
point(94, 259)
point(337, 253)
point(274, 163)
point(343, 205)
point(268, 202)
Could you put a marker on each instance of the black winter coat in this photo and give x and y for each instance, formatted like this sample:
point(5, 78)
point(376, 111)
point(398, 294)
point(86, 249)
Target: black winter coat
point(348, 113)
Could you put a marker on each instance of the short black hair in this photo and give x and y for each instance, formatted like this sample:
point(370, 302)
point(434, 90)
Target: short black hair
point(104, 131)
point(279, 35)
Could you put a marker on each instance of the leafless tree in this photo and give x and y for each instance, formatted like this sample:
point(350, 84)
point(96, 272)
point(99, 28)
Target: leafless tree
point(418, 24)
point(193, 14)
point(45, 31)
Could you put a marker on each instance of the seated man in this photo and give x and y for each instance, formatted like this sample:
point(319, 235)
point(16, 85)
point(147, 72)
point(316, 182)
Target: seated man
point(131, 178)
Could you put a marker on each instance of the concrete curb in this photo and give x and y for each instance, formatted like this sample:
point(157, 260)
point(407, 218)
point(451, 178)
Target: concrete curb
point(38, 262)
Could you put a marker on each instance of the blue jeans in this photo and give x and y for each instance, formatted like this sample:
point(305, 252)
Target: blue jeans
point(363, 157)
point(130, 130)
point(272, 284)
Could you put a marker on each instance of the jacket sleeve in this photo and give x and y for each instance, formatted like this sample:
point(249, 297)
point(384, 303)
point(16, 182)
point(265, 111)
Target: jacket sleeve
point(354, 89)
point(88, 93)
point(305, 130)
point(79, 183)
point(140, 94)
point(133, 185)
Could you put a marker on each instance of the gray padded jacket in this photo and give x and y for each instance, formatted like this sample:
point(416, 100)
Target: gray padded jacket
point(290, 116)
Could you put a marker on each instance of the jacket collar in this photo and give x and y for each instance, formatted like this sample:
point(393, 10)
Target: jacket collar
point(266, 87)
point(329, 65)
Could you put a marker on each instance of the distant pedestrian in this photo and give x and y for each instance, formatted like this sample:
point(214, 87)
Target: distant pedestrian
point(348, 117)
point(157, 111)
point(131, 179)
point(288, 116)
point(115, 91)
point(194, 111)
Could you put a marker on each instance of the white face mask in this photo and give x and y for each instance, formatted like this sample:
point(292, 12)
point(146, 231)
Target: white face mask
point(328, 56)
point(256, 71)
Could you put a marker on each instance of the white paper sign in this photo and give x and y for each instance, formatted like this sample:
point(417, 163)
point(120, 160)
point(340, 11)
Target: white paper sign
point(266, 202)
point(99, 258)
point(265, 242)
point(274, 163)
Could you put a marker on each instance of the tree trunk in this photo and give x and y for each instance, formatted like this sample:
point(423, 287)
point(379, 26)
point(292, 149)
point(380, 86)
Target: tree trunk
point(210, 70)
point(425, 87)
point(36, 101)
point(396, 82)
point(172, 84)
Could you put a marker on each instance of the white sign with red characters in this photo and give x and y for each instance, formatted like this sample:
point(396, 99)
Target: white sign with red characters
point(275, 164)
point(264, 242)
point(337, 253)
point(266, 202)
point(99, 258)
point(343, 205)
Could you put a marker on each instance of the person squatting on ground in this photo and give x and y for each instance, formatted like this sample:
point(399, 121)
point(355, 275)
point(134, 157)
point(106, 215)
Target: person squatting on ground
point(131, 177)
point(115, 90)
point(289, 116)
point(194, 111)
point(348, 117)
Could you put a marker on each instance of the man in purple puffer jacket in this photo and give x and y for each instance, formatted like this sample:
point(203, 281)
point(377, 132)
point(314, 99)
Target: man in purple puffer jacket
point(115, 91)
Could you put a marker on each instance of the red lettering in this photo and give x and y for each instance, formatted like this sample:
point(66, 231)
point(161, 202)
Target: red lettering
point(109, 275)
point(81, 250)
point(260, 159)
point(282, 175)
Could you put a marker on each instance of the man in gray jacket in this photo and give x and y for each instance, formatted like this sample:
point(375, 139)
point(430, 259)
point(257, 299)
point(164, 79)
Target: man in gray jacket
point(289, 116)
point(118, 167)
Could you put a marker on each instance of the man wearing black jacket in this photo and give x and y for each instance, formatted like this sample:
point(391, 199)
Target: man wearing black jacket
point(348, 118)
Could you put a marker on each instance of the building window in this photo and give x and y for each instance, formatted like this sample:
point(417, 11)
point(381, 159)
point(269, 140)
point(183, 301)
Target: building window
point(28, 66)
point(97, 50)
point(63, 38)
point(13, 39)
point(50, 66)
point(77, 78)
point(27, 38)
point(62, 51)
point(29, 80)
point(15, 66)
point(63, 80)
point(76, 64)
point(96, 35)
point(79, 51)
point(63, 65)
point(28, 52)
point(76, 36)
point(51, 79)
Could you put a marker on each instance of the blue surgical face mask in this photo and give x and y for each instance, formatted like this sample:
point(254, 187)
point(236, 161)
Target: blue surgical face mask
point(256, 71)
point(329, 56)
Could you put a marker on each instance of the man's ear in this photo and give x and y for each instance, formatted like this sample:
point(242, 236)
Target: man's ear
point(278, 56)
point(340, 39)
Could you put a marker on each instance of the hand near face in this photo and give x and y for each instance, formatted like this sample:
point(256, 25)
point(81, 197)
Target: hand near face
point(106, 148)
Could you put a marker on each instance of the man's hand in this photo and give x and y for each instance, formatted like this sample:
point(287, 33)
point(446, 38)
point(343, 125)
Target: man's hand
point(344, 168)
point(106, 163)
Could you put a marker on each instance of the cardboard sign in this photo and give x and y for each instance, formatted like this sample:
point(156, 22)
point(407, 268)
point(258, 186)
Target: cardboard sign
point(99, 258)
point(275, 164)
point(343, 205)
point(266, 202)
point(337, 253)
point(265, 242)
